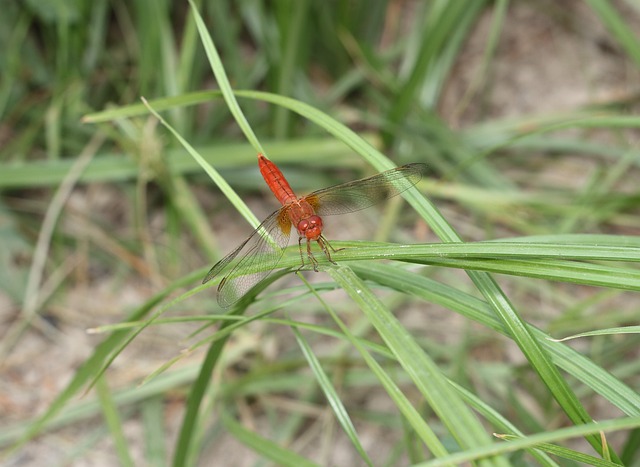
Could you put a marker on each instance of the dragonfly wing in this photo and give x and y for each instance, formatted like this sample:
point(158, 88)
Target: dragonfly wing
point(361, 194)
point(258, 254)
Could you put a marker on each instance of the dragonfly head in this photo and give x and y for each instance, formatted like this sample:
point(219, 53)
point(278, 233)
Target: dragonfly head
point(310, 228)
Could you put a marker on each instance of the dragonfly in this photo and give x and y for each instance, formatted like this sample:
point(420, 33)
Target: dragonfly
point(261, 252)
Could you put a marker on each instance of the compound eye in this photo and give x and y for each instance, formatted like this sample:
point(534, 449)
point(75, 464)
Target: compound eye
point(311, 227)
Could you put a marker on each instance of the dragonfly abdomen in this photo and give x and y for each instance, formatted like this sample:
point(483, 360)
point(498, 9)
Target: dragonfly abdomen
point(276, 181)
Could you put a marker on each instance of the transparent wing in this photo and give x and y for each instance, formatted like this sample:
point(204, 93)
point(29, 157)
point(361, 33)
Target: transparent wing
point(361, 194)
point(256, 253)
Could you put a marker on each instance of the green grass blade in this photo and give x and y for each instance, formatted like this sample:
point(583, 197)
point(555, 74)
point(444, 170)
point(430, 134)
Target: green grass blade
point(532, 441)
point(442, 20)
point(603, 332)
point(114, 167)
point(565, 453)
point(531, 250)
point(185, 448)
point(111, 416)
point(617, 27)
point(294, 14)
point(506, 258)
point(267, 448)
point(560, 271)
point(332, 396)
point(214, 174)
point(154, 432)
point(223, 81)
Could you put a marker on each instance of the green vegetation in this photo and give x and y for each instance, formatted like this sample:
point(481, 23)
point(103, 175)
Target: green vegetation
point(438, 327)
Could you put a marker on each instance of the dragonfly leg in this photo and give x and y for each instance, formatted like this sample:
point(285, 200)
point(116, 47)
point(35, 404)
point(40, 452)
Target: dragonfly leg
point(301, 255)
point(323, 242)
point(312, 258)
point(332, 248)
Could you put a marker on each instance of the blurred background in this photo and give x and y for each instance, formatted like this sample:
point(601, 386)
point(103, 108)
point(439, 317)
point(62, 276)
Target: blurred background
point(523, 111)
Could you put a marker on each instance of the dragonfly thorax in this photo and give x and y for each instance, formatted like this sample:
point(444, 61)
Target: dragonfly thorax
point(310, 228)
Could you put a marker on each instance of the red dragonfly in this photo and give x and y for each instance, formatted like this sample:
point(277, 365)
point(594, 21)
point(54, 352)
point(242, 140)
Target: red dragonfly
point(262, 251)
